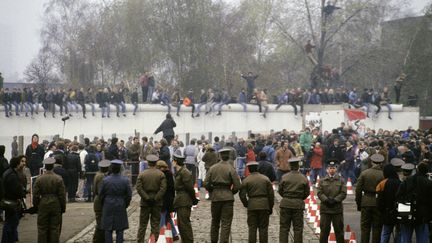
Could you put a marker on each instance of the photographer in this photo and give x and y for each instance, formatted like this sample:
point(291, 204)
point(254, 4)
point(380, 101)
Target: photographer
point(14, 192)
point(413, 191)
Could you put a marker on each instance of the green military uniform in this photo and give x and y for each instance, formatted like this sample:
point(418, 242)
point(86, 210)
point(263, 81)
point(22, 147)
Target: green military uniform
point(49, 196)
point(183, 202)
point(366, 200)
point(257, 195)
point(332, 191)
point(99, 234)
point(222, 182)
point(294, 188)
point(151, 186)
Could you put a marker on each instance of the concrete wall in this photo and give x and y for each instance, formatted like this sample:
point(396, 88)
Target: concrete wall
point(149, 117)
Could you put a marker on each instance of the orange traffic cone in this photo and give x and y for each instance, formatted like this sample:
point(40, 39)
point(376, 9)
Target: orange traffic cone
point(152, 239)
point(318, 227)
point(349, 187)
point(168, 234)
point(347, 234)
point(332, 236)
point(317, 181)
point(353, 238)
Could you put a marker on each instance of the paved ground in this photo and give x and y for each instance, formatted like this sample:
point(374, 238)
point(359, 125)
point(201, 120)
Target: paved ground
point(78, 223)
point(201, 224)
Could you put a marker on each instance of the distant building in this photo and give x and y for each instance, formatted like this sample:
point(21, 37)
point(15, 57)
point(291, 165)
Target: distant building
point(400, 32)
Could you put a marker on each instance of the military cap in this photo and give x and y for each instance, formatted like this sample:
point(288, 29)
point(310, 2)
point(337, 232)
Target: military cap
point(377, 158)
point(252, 163)
point(397, 162)
point(408, 166)
point(161, 164)
point(152, 158)
point(224, 149)
point(49, 161)
point(294, 160)
point(117, 162)
point(332, 164)
point(178, 154)
point(104, 163)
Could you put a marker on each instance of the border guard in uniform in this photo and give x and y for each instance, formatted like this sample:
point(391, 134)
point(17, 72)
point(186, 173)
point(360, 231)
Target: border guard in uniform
point(294, 189)
point(184, 198)
point(151, 186)
point(257, 196)
point(49, 196)
point(366, 199)
point(332, 191)
point(222, 182)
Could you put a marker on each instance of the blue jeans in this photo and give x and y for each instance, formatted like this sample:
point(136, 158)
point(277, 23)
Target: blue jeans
point(386, 232)
point(135, 104)
point(198, 109)
point(279, 174)
point(240, 166)
point(314, 173)
point(89, 185)
point(244, 106)
point(163, 221)
point(10, 227)
point(422, 233)
point(349, 173)
point(119, 236)
point(150, 93)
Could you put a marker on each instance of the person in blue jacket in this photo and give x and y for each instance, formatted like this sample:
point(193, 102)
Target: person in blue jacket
point(115, 194)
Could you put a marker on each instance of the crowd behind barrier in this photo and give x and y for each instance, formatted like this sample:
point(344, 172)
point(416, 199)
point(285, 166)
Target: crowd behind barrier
point(351, 150)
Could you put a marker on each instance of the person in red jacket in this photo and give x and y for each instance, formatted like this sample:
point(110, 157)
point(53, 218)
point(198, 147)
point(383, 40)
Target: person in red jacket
point(250, 156)
point(316, 161)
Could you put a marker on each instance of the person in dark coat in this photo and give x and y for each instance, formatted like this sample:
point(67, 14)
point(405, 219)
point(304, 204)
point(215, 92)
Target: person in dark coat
point(91, 167)
point(35, 154)
point(113, 151)
point(73, 167)
point(13, 191)
point(386, 201)
point(59, 170)
point(115, 194)
point(416, 190)
point(164, 152)
point(168, 200)
point(167, 128)
point(265, 167)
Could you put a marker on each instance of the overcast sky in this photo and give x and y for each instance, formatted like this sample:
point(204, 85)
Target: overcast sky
point(20, 23)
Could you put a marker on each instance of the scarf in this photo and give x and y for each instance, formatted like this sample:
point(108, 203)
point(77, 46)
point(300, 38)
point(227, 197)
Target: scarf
point(34, 145)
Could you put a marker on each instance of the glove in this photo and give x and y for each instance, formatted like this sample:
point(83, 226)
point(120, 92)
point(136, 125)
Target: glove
point(331, 202)
point(195, 201)
point(245, 204)
point(271, 211)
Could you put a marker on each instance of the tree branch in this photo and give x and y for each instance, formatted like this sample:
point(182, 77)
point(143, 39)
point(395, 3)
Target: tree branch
point(344, 23)
point(310, 22)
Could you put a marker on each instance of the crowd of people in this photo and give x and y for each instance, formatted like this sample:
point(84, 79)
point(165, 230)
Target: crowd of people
point(30, 101)
point(387, 167)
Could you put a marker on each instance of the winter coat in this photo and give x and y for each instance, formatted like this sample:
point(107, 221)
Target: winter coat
point(115, 194)
point(317, 158)
point(166, 127)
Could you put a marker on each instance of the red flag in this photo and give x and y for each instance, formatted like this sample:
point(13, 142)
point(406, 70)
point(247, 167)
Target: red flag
point(354, 114)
